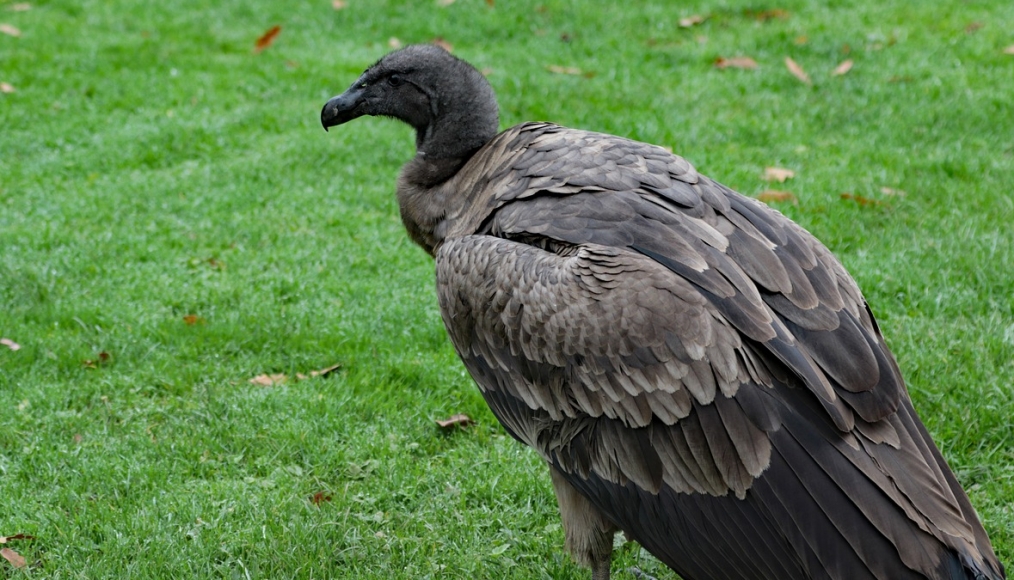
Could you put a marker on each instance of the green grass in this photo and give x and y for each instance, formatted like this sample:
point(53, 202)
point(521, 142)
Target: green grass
point(153, 167)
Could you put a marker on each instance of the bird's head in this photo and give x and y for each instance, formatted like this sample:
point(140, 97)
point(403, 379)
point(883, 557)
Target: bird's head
point(447, 101)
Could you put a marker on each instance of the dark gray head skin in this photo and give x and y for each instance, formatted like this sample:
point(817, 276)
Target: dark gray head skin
point(450, 104)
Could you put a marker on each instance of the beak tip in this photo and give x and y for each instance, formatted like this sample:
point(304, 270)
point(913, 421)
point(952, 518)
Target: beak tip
point(342, 109)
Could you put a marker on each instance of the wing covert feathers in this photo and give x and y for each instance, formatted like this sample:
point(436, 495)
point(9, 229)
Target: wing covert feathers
point(702, 369)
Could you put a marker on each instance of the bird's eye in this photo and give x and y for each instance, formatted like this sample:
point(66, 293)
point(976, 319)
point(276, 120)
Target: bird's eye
point(395, 80)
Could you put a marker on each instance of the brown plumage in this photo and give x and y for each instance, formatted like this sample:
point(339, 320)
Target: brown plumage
point(696, 369)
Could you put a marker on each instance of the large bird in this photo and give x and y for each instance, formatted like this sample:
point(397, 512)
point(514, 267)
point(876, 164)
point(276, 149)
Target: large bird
point(696, 369)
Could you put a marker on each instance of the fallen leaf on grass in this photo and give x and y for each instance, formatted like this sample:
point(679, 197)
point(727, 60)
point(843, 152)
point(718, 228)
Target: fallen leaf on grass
point(439, 41)
point(267, 38)
point(564, 70)
point(338, 4)
point(6, 88)
point(797, 71)
point(843, 68)
point(764, 15)
point(691, 21)
point(801, 40)
point(744, 62)
point(13, 557)
point(775, 195)
point(778, 174)
point(861, 200)
point(892, 191)
point(1009, 49)
point(320, 497)
point(10, 344)
point(8, 29)
point(455, 421)
point(269, 380)
point(5, 539)
point(326, 371)
point(490, 3)
point(102, 358)
point(192, 319)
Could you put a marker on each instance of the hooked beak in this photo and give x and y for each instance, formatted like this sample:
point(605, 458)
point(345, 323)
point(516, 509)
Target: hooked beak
point(343, 108)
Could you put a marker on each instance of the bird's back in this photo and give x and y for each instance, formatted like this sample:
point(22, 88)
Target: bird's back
point(696, 364)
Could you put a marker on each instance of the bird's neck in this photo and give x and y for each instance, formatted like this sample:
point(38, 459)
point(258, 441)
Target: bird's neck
point(422, 199)
point(462, 126)
point(450, 140)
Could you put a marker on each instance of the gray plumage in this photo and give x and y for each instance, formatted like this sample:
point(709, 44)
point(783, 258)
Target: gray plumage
point(696, 369)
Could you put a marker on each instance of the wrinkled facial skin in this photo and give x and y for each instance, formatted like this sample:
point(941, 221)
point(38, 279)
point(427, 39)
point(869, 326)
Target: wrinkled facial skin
point(382, 91)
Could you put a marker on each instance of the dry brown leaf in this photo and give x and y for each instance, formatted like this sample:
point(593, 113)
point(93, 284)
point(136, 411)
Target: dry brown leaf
point(772, 14)
point(861, 200)
point(5, 539)
point(843, 68)
point(455, 421)
point(192, 319)
point(326, 371)
point(10, 344)
point(744, 62)
point(778, 174)
point(393, 42)
point(338, 4)
point(439, 41)
point(801, 40)
point(102, 358)
point(490, 3)
point(691, 21)
point(267, 38)
point(6, 88)
point(20, 7)
point(13, 557)
point(1009, 49)
point(269, 380)
point(775, 195)
point(320, 497)
point(797, 71)
point(892, 191)
point(564, 70)
point(8, 29)
point(973, 27)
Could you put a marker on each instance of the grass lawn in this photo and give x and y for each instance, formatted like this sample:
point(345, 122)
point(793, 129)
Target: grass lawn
point(174, 223)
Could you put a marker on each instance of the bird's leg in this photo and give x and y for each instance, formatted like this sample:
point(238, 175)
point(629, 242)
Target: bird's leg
point(589, 535)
